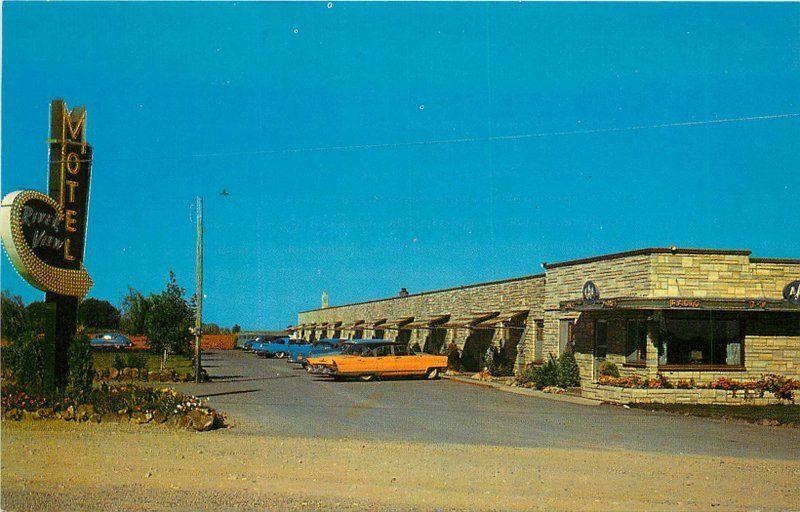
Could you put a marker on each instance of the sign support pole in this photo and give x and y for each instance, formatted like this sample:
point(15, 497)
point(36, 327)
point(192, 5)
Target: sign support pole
point(198, 319)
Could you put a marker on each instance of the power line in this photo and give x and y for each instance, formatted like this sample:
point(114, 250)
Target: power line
point(491, 138)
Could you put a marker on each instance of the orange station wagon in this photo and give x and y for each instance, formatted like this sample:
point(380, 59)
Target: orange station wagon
point(377, 358)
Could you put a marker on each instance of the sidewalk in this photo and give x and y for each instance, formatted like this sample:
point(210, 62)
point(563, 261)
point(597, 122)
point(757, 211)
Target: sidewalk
point(523, 391)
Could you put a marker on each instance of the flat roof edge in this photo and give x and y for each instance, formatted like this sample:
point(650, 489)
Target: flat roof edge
point(645, 252)
point(429, 292)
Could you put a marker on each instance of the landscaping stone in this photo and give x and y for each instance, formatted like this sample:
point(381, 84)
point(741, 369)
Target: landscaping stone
point(134, 373)
point(201, 420)
point(109, 417)
point(45, 412)
point(69, 413)
point(83, 411)
point(113, 373)
point(95, 418)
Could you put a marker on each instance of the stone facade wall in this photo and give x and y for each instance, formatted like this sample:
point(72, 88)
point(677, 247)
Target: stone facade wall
point(621, 395)
point(503, 296)
point(718, 276)
point(772, 341)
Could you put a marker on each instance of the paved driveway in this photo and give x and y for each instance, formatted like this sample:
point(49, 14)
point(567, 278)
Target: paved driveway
point(274, 397)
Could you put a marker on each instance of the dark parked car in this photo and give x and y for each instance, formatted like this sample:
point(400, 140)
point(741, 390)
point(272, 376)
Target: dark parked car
point(110, 340)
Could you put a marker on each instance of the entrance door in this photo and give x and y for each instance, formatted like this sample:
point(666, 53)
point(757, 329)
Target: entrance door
point(600, 346)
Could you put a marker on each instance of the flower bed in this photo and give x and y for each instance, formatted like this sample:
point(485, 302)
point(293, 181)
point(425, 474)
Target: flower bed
point(142, 374)
point(114, 404)
point(772, 389)
point(778, 385)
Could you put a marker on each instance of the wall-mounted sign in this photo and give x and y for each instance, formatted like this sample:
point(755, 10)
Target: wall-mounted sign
point(590, 292)
point(684, 303)
point(45, 235)
point(791, 292)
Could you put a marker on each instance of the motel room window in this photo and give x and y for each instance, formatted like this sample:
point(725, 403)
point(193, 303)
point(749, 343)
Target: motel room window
point(704, 338)
point(636, 342)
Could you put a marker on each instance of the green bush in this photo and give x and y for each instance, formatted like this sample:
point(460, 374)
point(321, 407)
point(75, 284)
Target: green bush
point(453, 357)
point(609, 369)
point(547, 374)
point(118, 363)
point(500, 365)
point(24, 362)
point(81, 371)
point(135, 360)
point(568, 372)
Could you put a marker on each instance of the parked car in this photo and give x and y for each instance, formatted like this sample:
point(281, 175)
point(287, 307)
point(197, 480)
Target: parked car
point(367, 360)
point(299, 353)
point(110, 340)
point(278, 347)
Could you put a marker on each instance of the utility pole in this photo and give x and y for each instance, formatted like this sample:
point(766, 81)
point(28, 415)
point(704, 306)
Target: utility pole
point(198, 318)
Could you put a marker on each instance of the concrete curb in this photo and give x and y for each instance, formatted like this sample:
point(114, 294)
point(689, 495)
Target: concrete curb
point(523, 391)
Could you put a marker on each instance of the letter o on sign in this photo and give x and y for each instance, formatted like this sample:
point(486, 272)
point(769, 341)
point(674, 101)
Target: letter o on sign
point(792, 292)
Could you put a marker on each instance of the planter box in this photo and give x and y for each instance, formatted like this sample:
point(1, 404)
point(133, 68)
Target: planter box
point(620, 395)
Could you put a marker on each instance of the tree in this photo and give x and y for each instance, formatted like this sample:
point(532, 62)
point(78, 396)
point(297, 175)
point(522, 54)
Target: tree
point(168, 319)
point(211, 329)
point(14, 319)
point(235, 329)
point(134, 312)
point(38, 314)
point(98, 314)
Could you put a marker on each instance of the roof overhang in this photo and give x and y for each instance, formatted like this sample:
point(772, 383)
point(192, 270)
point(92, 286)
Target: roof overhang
point(690, 304)
point(425, 323)
point(470, 319)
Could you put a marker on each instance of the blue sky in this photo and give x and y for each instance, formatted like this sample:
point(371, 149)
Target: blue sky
point(188, 99)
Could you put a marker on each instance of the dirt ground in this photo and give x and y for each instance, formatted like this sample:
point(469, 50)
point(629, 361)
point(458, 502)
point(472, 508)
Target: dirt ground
point(52, 465)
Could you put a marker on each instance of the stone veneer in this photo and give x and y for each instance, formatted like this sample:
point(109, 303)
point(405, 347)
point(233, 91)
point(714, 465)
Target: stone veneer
point(619, 395)
point(772, 342)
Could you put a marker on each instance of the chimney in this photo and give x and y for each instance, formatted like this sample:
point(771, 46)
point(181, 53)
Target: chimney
point(403, 292)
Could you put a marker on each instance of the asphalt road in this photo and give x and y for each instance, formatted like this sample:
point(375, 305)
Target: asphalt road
point(268, 396)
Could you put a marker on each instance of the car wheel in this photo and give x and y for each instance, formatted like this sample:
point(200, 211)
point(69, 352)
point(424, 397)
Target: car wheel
point(280, 355)
point(366, 378)
point(433, 373)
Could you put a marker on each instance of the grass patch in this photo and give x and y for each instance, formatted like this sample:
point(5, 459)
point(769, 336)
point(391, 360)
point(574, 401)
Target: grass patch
point(768, 414)
point(103, 360)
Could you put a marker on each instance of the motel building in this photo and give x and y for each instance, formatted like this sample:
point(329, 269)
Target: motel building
point(686, 314)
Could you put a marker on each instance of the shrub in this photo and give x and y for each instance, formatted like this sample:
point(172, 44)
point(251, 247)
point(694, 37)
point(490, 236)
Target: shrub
point(499, 365)
point(134, 360)
point(568, 374)
point(118, 363)
point(453, 357)
point(609, 369)
point(546, 375)
point(24, 361)
point(81, 372)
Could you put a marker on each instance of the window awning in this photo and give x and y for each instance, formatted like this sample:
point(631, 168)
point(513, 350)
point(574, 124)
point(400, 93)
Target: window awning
point(686, 304)
point(471, 319)
point(506, 317)
point(376, 324)
point(423, 323)
point(397, 323)
point(357, 325)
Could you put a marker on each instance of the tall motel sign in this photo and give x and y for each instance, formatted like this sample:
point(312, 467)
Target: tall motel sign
point(44, 234)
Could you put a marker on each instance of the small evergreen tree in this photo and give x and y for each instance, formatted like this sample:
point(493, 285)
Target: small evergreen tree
point(568, 372)
point(546, 375)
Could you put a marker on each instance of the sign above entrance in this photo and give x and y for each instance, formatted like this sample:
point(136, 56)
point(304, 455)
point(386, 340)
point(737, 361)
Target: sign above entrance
point(792, 292)
point(590, 292)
